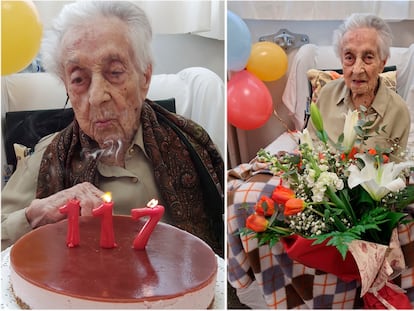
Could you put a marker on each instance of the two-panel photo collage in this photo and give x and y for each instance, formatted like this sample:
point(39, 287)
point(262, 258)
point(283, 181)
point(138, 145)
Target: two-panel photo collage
point(207, 154)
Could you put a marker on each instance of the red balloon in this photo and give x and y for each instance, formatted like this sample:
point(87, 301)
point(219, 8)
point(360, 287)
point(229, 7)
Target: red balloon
point(249, 103)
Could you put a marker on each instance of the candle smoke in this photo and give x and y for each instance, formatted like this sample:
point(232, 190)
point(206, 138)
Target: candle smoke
point(111, 148)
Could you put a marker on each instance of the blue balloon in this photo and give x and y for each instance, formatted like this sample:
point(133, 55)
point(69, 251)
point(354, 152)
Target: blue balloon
point(239, 42)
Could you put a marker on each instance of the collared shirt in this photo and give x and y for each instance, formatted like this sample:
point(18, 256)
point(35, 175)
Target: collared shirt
point(388, 109)
point(134, 185)
point(131, 187)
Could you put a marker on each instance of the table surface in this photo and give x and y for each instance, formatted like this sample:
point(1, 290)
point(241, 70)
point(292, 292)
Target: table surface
point(8, 300)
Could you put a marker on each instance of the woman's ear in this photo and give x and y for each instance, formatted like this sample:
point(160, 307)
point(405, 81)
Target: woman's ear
point(383, 62)
point(144, 81)
point(148, 75)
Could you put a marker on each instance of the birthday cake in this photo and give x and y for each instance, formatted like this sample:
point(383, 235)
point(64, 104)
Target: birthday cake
point(175, 271)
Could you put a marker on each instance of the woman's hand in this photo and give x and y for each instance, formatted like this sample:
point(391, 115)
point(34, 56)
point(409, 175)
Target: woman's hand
point(46, 210)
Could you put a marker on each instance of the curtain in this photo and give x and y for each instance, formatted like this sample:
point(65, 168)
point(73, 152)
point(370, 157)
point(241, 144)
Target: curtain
point(204, 18)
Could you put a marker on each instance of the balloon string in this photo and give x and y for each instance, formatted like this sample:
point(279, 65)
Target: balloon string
point(281, 120)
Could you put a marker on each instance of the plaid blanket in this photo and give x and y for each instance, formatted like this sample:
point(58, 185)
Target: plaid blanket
point(287, 284)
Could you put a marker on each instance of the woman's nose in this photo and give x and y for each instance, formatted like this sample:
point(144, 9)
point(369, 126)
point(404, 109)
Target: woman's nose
point(98, 90)
point(359, 66)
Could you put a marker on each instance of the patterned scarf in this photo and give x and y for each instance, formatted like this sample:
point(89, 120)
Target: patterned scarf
point(67, 161)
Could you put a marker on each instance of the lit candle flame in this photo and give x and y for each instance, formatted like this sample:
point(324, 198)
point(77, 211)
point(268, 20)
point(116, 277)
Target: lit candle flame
point(152, 203)
point(107, 197)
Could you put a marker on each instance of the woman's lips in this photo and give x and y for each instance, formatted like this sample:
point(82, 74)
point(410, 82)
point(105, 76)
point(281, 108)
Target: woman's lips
point(103, 123)
point(358, 82)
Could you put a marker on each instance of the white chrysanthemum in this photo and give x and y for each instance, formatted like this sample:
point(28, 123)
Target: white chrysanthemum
point(318, 191)
point(318, 196)
point(310, 177)
point(324, 167)
point(325, 180)
point(339, 184)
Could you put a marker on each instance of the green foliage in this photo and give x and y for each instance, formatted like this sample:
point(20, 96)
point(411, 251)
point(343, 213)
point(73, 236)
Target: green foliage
point(338, 239)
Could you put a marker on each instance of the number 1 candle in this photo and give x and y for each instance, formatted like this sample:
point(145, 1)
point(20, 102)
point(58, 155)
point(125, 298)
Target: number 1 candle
point(71, 208)
point(107, 228)
point(155, 212)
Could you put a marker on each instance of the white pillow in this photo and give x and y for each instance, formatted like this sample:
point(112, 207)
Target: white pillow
point(164, 86)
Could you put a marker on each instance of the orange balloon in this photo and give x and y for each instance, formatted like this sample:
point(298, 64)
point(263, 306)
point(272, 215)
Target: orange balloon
point(267, 61)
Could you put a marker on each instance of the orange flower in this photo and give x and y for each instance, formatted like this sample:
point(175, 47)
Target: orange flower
point(294, 206)
point(351, 154)
point(299, 165)
point(385, 158)
point(281, 194)
point(257, 223)
point(372, 152)
point(265, 206)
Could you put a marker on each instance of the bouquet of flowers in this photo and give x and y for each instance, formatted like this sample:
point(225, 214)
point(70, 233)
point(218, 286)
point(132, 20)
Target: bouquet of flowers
point(333, 198)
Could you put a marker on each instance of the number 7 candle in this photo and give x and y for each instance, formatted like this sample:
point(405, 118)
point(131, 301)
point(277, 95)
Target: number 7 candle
point(155, 212)
point(107, 228)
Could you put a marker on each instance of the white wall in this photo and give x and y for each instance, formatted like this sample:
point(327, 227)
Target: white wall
point(320, 32)
point(172, 52)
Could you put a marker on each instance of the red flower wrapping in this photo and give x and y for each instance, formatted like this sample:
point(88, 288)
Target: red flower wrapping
point(388, 297)
point(321, 257)
point(382, 294)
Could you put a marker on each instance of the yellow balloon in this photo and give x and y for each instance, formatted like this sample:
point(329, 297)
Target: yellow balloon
point(21, 33)
point(267, 61)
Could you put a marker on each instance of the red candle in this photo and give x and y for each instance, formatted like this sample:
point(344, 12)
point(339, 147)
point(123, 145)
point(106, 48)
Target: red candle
point(107, 228)
point(155, 212)
point(71, 208)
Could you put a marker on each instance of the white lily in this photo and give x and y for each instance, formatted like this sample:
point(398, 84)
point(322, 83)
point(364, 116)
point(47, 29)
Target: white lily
point(378, 182)
point(305, 138)
point(350, 135)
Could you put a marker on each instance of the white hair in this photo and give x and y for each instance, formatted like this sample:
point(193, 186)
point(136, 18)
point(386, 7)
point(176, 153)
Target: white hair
point(362, 20)
point(78, 13)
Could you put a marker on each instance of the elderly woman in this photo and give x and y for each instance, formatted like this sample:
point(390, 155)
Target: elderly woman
point(118, 142)
point(363, 46)
point(266, 277)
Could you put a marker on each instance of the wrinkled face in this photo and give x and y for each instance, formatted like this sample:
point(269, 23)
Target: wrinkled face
point(361, 60)
point(103, 82)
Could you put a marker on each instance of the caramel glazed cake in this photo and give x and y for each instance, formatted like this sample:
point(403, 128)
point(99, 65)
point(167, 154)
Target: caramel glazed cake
point(176, 270)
